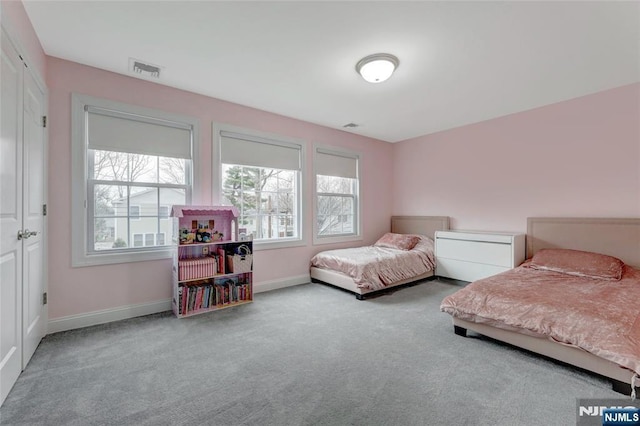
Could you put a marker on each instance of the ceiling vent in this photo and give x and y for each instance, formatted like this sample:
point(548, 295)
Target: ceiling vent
point(350, 125)
point(144, 69)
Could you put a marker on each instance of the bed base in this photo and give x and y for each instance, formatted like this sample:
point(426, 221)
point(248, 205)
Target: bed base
point(460, 331)
point(622, 387)
point(620, 377)
point(340, 280)
point(381, 291)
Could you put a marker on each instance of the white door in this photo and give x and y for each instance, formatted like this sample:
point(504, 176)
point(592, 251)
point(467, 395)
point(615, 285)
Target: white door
point(10, 218)
point(33, 250)
point(22, 173)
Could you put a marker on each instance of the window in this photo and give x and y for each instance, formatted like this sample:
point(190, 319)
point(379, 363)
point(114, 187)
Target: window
point(130, 165)
point(134, 212)
point(261, 176)
point(164, 212)
point(160, 239)
point(137, 240)
point(337, 189)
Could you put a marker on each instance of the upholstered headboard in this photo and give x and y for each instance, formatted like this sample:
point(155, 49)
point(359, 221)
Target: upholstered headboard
point(613, 236)
point(423, 225)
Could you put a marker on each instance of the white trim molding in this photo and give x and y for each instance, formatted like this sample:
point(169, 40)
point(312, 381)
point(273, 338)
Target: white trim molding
point(264, 286)
point(87, 319)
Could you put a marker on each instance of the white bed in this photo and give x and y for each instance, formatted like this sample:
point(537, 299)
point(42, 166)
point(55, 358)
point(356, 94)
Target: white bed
point(421, 225)
point(615, 237)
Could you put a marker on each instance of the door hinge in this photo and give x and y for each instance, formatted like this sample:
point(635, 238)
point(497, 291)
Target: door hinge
point(44, 121)
point(44, 298)
point(44, 210)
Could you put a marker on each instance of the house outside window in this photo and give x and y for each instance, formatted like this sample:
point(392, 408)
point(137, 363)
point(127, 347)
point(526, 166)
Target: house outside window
point(262, 176)
point(137, 163)
point(337, 196)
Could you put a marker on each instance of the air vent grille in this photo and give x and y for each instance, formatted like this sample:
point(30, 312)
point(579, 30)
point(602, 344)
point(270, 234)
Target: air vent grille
point(144, 69)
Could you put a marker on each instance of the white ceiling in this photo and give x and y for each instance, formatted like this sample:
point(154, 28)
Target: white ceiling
point(460, 62)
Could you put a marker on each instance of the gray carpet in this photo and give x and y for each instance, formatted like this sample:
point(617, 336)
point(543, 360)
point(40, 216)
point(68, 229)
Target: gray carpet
point(304, 355)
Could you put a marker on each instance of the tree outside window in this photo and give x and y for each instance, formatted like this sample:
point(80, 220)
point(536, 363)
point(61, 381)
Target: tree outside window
point(265, 198)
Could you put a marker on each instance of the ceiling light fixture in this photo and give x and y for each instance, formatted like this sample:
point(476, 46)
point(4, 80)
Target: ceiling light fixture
point(378, 67)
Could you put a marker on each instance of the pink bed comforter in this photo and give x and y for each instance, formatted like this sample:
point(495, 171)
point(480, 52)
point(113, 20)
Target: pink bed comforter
point(374, 267)
point(599, 316)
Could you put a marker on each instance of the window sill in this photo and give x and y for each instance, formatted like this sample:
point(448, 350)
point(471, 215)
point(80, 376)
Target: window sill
point(84, 260)
point(337, 239)
point(271, 245)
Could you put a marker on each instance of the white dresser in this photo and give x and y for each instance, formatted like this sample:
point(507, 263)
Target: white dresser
point(472, 255)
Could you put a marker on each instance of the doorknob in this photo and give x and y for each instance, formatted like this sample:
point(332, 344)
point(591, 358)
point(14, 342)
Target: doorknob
point(23, 235)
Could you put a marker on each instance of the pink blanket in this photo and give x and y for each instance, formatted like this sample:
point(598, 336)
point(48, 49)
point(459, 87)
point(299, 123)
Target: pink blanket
point(374, 267)
point(599, 316)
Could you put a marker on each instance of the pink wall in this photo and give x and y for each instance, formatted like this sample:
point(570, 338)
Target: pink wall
point(17, 23)
point(80, 290)
point(576, 158)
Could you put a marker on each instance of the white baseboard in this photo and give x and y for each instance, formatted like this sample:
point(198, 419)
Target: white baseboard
point(130, 311)
point(107, 315)
point(281, 283)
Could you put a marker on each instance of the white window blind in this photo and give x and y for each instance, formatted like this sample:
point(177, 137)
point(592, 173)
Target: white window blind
point(111, 131)
point(339, 164)
point(247, 150)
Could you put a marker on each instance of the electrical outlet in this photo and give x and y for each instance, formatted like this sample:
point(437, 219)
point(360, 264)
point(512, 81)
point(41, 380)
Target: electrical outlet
point(205, 250)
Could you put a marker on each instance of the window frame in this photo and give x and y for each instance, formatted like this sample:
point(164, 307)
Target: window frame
point(81, 255)
point(217, 190)
point(357, 197)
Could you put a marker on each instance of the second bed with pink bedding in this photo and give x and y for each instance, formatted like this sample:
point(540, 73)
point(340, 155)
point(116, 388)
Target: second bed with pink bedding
point(585, 300)
point(386, 262)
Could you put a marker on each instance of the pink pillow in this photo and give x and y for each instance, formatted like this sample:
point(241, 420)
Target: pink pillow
point(398, 241)
point(578, 263)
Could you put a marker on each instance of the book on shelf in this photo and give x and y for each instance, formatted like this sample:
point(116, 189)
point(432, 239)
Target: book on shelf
point(205, 297)
point(221, 262)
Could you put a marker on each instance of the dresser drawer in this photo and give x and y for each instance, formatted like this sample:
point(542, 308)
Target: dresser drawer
point(466, 271)
point(490, 253)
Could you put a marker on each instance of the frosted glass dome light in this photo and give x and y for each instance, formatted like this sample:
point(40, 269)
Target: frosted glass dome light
point(377, 68)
